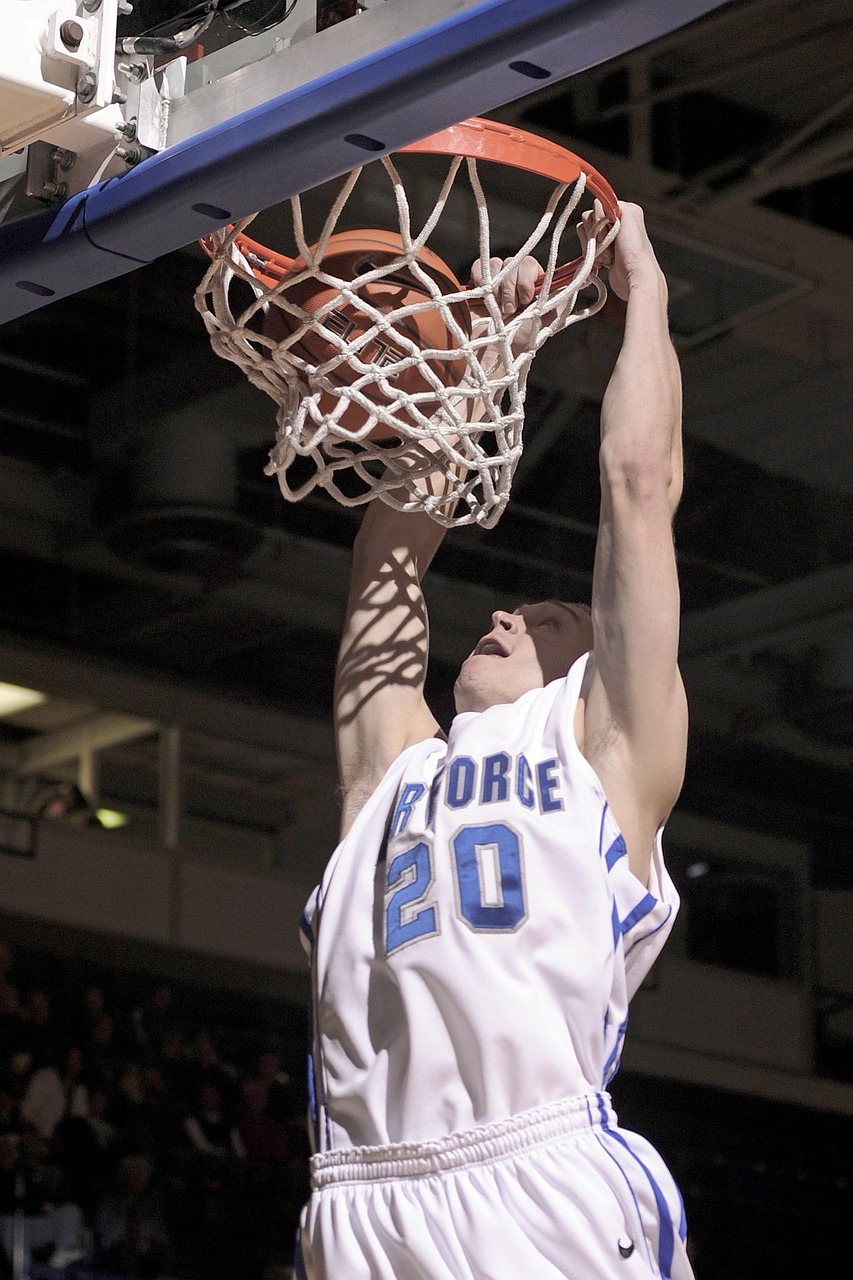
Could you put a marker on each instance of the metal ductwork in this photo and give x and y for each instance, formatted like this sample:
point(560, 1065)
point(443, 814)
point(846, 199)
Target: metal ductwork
point(182, 515)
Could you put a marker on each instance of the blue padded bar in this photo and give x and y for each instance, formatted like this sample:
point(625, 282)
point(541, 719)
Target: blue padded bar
point(479, 59)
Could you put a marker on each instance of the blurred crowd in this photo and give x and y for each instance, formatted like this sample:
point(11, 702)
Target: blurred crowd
point(134, 1144)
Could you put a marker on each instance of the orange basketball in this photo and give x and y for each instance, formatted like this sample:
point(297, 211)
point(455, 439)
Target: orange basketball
point(348, 255)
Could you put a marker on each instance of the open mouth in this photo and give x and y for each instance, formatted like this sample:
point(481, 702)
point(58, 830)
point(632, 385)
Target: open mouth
point(490, 646)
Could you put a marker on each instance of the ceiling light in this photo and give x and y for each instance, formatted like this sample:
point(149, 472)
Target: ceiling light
point(13, 697)
point(111, 818)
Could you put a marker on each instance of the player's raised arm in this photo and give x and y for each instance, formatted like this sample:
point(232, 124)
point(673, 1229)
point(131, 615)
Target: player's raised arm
point(635, 722)
point(379, 703)
point(379, 679)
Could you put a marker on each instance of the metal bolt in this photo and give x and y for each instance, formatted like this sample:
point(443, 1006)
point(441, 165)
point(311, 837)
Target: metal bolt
point(71, 34)
point(127, 129)
point(55, 190)
point(87, 86)
point(135, 71)
point(91, 6)
point(124, 8)
point(63, 159)
point(130, 155)
point(119, 98)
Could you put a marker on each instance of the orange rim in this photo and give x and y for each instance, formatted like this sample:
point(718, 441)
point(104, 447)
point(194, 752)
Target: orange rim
point(504, 144)
point(481, 140)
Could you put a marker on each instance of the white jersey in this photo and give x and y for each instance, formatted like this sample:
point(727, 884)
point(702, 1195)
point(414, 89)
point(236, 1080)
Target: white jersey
point(478, 933)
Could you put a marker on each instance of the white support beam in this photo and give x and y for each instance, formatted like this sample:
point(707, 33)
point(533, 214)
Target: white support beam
point(795, 140)
point(169, 815)
point(731, 70)
point(803, 167)
point(75, 742)
point(171, 761)
point(89, 776)
point(159, 700)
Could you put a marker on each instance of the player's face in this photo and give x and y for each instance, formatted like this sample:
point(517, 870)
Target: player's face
point(524, 650)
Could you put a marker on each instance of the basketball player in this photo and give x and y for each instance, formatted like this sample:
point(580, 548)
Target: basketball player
point(498, 894)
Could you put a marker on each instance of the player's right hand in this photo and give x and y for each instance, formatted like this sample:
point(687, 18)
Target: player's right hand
point(630, 256)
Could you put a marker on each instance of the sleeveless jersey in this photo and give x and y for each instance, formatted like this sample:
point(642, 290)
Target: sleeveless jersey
point(478, 933)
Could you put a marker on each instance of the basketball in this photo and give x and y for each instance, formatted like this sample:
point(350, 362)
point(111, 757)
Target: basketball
point(349, 255)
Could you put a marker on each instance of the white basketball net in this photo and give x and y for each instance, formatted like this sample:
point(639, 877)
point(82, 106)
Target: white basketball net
point(453, 450)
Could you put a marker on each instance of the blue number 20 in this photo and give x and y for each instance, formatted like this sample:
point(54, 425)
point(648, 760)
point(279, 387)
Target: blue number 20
point(489, 879)
point(406, 916)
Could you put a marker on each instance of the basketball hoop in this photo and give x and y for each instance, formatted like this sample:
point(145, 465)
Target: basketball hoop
point(385, 368)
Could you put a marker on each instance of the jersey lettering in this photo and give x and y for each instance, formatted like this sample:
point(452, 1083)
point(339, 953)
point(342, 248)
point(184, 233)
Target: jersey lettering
point(496, 779)
point(548, 784)
point(433, 796)
point(495, 782)
point(524, 783)
point(489, 872)
point(460, 782)
point(410, 796)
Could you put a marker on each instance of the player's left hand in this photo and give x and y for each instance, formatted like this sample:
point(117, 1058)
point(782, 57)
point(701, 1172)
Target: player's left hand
point(515, 292)
point(517, 289)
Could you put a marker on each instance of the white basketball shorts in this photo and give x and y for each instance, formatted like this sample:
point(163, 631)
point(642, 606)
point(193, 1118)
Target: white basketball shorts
point(557, 1193)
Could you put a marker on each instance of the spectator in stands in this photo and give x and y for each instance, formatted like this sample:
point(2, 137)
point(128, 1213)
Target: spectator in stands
point(20, 1068)
point(39, 1028)
point(207, 1067)
point(164, 1114)
point(105, 1060)
point(12, 1028)
point(264, 1138)
point(67, 803)
point(151, 1021)
point(94, 1001)
point(29, 1182)
point(287, 1105)
point(129, 1112)
point(174, 1063)
point(130, 1227)
point(56, 1103)
point(93, 1006)
point(84, 1146)
point(74, 1082)
point(282, 1102)
point(10, 1104)
point(103, 1133)
point(7, 965)
point(214, 1140)
point(44, 1103)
